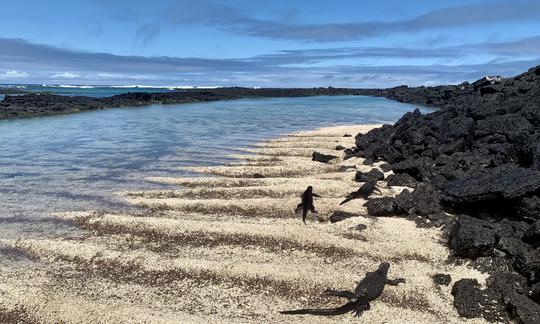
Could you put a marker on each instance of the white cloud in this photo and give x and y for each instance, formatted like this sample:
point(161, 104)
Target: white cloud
point(65, 75)
point(108, 75)
point(13, 74)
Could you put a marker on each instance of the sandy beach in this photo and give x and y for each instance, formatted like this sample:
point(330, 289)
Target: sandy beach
point(226, 246)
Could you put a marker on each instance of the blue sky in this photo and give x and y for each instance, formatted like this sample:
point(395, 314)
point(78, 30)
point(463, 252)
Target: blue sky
point(267, 43)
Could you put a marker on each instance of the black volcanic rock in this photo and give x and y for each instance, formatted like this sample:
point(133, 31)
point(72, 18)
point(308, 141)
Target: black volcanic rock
point(323, 158)
point(529, 207)
point(505, 182)
point(481, 152)
point(532, 234)
point(401, 179)
point(423, 200)
point(442, 279)
point(470, 238)
point(384, 206)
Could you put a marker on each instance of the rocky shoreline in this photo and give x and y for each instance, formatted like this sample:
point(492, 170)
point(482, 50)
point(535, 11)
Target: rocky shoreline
point(477, 157)
point(43, 104)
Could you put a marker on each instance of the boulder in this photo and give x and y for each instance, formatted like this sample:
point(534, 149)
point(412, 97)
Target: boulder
point(420, 169)
point(384, 206)
point(501, 183)
point(527, 263)
point(522, 308)
point(423, 200)
point(534, 292)
point(532, 234)
point(401, 179)
point(323, 158)
point(442, 279)
point(468, 298)
point(340, 148)
point(529, 208)
point(469, 238)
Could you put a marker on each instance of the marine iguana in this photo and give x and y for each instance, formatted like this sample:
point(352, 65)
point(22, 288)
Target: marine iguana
point(368, 289)
point(365, 190)
point(307, 203)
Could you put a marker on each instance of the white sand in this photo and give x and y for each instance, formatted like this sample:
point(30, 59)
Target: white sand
point(228, 248)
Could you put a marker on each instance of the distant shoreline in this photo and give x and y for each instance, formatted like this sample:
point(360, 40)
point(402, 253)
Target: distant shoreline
point(44, 104)
point(28, 104)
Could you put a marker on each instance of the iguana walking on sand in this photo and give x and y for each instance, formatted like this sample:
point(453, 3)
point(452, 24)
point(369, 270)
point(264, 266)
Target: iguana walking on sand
point(365, 190)
point(307, 203)
point(369, 289)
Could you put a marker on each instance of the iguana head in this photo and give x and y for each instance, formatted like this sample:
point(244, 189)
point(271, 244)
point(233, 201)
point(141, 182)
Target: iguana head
point(383, 267)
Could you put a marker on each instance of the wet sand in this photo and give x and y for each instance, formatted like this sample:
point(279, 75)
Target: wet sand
point(227, 247)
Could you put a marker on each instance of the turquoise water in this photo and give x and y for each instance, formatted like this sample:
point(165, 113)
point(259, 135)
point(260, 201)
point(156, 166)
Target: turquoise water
point(76, 162)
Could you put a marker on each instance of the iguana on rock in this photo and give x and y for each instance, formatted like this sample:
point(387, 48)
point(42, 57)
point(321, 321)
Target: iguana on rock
point(365, 190)
point(369, 289)
point(307, 203)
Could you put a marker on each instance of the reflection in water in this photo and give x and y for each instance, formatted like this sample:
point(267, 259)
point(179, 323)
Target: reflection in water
point(77, 162)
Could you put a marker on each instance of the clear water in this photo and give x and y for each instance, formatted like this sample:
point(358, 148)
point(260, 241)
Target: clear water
point(77, 161)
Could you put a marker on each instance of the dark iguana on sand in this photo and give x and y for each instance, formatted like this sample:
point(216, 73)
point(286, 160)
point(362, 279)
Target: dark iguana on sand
point(369, 289)
point(365, 190)
point(307, 203)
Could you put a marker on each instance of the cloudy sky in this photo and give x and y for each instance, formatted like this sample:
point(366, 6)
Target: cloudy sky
point(268, 43)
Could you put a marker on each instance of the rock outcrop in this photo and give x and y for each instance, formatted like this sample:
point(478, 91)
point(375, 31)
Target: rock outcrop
point(478, 157)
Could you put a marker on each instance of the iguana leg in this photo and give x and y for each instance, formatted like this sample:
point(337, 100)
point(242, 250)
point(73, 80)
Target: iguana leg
point(312, 208)
point(298, 208)
point(360, 309)
point(340, 293)
point(395, 282)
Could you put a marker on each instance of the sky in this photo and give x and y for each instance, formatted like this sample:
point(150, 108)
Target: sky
point(270, 43)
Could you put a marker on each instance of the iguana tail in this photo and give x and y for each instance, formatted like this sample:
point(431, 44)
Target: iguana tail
point(350, 306)
point(346, 200)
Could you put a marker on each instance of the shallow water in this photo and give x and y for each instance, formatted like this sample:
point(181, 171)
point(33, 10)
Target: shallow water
point(76, 162)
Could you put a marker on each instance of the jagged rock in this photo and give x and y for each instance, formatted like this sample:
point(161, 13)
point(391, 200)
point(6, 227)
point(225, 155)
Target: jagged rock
point(323, 158)
point(340, 148)
point(420, 169)
point(340, 215)
point(504, 182)
point(469, 238)
point(532, 234)
point(401, 179)
point(373, 174)
point(385, 167)
point(468, 298)
point(509, 125)
point(492, 264)
point(523, 309)
point(529, 207)
point(424, 200)
point(347, 135)
point(442, 279)
point(384, 206)
point(527, 263)
point(368, 161)
point(534, 292)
